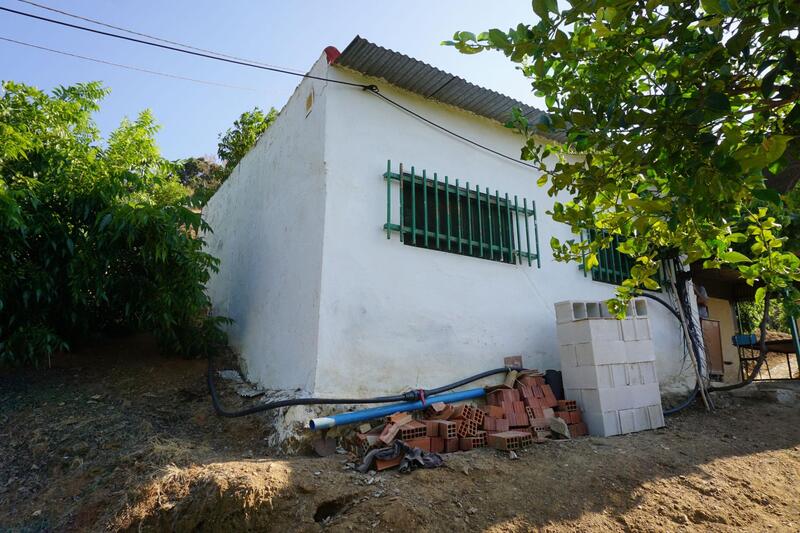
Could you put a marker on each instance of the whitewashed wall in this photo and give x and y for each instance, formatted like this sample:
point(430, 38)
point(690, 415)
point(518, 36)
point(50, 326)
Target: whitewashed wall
point(323, 302)
point(393, 316)
point(267, 220)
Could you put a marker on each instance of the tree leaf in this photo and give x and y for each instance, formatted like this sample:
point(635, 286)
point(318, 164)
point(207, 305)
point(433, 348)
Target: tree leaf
point(734, 257)
point(540, 8)
point(759, 297)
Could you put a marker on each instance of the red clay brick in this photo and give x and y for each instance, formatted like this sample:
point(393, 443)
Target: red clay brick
point(501, 424)
point(448, 429)
point(510, 440)
point(495, 411)
point(467, 427)
point(478, 416)
point(451, 445)
point(389, 433)
point(412, 430)
point(567, 405)
point(472, 442)
point(383, 464)
point(496, 397)
point(437, 445)
point(439, 411)
point(424, 443)
point(432, 427)
point(463, 412)
point(489, 423)
point(400, 418)
point(578, 430)
point(549, 398)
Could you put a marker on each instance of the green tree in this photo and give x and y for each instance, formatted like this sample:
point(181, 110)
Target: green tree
point(202, 176)
point(242, 136)
point(672, 115)
point(94, 237)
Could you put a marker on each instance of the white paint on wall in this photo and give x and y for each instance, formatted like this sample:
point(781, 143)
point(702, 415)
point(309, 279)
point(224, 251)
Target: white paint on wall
point(395, 316)
point(325, 303)
point(268, 221)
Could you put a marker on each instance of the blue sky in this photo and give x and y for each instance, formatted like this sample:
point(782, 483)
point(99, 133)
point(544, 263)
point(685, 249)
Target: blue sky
point(284, 33)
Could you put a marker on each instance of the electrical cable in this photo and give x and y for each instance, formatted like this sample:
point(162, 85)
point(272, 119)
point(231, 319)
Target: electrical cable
point(128, 67)
point(692, 395)
point(229, 59)
point(376, 92)
point(405, 397)
point(153, 37)
point(175, 49)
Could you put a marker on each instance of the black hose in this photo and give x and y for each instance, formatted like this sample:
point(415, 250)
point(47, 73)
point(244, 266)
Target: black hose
point(692, 395)
point(409, 396)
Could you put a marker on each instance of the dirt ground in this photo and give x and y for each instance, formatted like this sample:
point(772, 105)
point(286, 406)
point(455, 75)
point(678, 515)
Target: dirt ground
point(120, 438)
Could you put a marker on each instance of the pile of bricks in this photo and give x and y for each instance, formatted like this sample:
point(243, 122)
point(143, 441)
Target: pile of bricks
point(512, 418)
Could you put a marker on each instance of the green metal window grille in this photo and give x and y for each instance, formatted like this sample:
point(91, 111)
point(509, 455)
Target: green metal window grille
point(613, 266)
point(468, 220)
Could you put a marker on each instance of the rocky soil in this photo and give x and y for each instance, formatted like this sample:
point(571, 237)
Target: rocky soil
point(119, 437)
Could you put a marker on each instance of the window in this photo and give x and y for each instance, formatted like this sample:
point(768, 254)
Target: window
point(614, 266)
point(442, 215)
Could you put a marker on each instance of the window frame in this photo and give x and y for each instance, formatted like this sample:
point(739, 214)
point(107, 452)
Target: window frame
point(499, 207)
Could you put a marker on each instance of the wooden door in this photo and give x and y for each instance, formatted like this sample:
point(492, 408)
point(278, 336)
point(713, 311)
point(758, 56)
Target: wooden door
point(713, 344)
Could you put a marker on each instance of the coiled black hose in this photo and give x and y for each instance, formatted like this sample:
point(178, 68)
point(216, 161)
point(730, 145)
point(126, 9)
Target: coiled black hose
point(692, 395)
point(409, 396)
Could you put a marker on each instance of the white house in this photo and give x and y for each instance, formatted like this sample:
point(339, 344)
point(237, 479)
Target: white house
point(325, 295)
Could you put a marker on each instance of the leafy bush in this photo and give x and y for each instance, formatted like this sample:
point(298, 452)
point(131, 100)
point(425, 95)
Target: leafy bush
point(95, 237)
point(242, 136)
point(202, 176)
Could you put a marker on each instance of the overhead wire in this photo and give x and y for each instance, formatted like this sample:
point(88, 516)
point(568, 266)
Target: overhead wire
point(176, 49)
point(373, 89)
point(153, 37)
point(128, 67)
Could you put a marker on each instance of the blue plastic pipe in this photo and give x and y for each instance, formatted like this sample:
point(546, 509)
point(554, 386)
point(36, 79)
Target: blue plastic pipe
point(328, 422)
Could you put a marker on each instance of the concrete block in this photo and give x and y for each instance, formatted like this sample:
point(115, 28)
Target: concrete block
point(640, 307)
point(569, 358)
point(620, 398)
point(630, 312)
point(642, 326)
point(656, 414)
point(582, 331)
point(627, 421)
point(628, 330)
point(601, 353)
point(634, 377)
point(565, 333)
point(603, 424)
point(619, 377)
point(572, 394)
point(648, 373)
point(639, 351)
point(569, 311)
point(641, 419)
point(593, 310)
point(587, 377)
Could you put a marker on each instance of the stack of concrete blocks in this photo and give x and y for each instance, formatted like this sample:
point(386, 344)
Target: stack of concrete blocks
point(608, 366)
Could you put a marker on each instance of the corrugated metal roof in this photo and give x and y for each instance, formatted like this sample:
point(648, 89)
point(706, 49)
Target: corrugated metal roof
point(426, 80)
